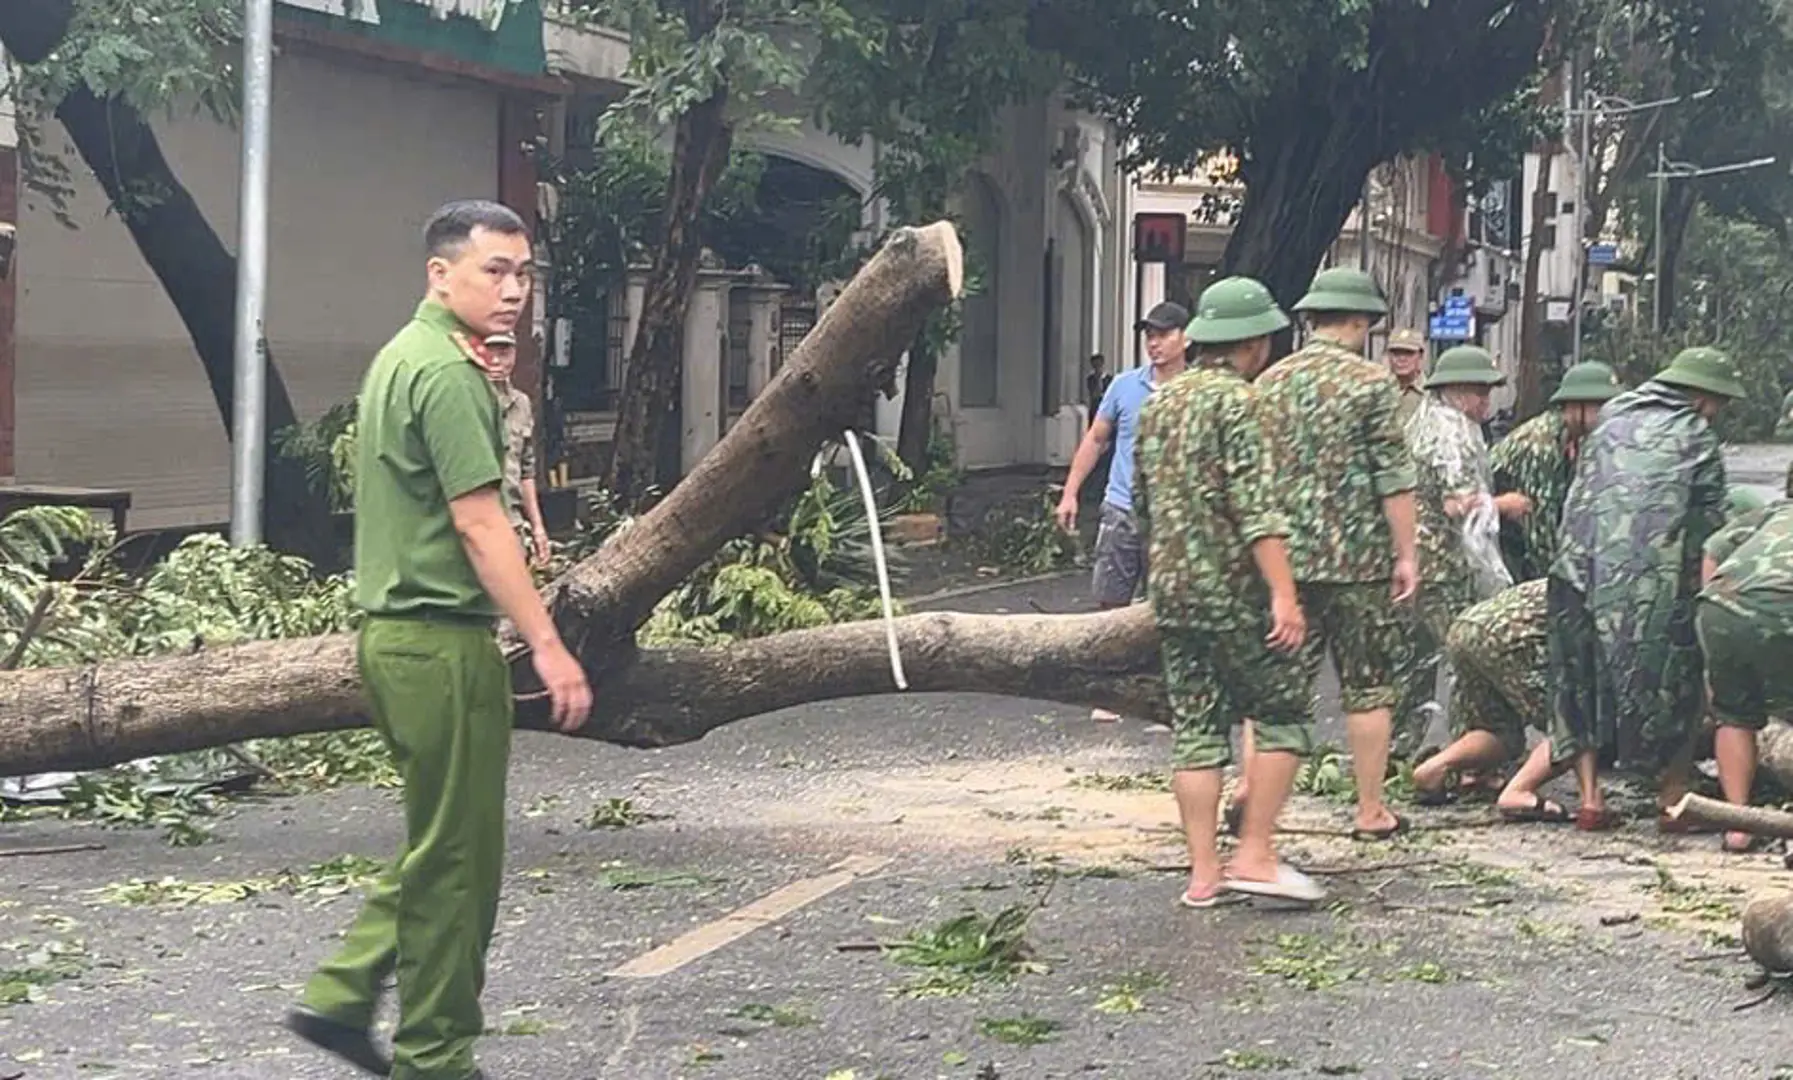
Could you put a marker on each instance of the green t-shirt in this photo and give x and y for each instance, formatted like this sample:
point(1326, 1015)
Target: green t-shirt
point(427, 432)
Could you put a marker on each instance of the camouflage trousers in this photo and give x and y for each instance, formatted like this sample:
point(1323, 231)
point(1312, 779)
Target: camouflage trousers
point(1634, 703)
point(1435, 609)
point(1367, 634)
point(1502, 679)
point(1749, 673)
point(1215, 679)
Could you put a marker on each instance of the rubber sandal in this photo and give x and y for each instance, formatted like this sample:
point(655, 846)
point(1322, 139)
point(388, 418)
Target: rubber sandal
point(1750, 847)
point(1219, 898)
point(1289, 884)
point(1381, 835)
point(1444, 795)
point(1588, 819)
point(1542, 811)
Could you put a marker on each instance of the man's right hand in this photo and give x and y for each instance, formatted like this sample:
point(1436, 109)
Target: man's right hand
point(1067, 513)
point(1405, 580)
point(565, 682)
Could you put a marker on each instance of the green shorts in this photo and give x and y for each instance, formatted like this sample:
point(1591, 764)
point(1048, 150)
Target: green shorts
point(1367, 634)
point(1216, 679)
point(1749, 673)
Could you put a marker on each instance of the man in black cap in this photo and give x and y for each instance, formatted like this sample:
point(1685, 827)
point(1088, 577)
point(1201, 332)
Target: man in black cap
point(1120, 550)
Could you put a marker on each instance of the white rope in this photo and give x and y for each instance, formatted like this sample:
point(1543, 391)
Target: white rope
point(877, 530)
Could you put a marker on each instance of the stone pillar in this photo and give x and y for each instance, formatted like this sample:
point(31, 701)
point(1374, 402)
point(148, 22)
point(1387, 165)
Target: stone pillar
point(701, 393)
point(762, 334)
point(9, 217)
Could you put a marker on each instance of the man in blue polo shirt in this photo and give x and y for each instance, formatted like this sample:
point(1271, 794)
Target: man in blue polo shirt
point(1120, 550)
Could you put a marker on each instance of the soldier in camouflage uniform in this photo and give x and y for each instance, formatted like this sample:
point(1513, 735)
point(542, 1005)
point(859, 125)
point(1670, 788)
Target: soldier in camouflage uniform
point(1348, 483)
point(1537, 461)
point(1744, 619)
point(521, 501)
point(1217, 565)
point(1625, 665)
point(1455, 503)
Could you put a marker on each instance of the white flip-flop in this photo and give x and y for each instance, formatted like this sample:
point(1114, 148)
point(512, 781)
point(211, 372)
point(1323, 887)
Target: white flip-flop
point(1221, 898)
point(1289, 884)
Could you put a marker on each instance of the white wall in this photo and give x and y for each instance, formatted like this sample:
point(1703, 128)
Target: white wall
point(110, 392)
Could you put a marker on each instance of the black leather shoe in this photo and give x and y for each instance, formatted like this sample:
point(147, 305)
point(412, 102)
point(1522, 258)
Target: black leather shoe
point(352, 1044)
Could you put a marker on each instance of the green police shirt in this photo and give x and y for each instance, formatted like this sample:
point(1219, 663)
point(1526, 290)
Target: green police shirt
point(427, 432)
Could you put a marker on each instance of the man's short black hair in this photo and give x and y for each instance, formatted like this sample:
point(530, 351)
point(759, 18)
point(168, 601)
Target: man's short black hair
point(450, 226)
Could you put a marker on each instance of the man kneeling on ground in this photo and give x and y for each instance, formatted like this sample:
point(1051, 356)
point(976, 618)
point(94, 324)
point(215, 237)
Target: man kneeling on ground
point(1218, 560)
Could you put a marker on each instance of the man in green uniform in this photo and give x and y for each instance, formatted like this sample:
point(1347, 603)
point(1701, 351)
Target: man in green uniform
point(1218, 578)
point(1744, 618)
point(522, 502)
point(1625, 665)
point(1537, 461)
point(436, 564)
point(1347, 483)
point(1405, 355)
point(1458, 522)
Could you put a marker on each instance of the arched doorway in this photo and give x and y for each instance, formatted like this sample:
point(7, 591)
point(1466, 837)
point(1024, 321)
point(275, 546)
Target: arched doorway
point(979, 337)
point(1073, 305)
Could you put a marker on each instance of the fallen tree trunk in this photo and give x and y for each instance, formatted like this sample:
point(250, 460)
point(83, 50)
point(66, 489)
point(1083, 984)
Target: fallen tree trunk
point(1712, 813)
point(56, 719)
point(1768, 931)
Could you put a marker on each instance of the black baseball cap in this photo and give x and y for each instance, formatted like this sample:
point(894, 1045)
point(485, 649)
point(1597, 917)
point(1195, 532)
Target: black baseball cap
point(1165, 316)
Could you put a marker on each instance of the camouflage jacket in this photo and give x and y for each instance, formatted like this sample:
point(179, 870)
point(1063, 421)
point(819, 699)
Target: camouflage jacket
point(1754, 554)
point(1648, 492)
point(1204, 493)
point(1336, 421)
point(1509, 636)
point(1451, 459)
point(1534, 460)
point(518, 418)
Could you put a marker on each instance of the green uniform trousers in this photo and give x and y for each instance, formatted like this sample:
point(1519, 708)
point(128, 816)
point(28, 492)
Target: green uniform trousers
point(441, 700)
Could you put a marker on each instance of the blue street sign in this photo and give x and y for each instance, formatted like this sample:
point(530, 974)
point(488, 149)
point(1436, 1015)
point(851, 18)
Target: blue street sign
point(1454, 320)
point(1603, 254)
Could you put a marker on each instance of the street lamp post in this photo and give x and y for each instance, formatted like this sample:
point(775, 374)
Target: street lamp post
point(1683, 170)
point(1595, 105)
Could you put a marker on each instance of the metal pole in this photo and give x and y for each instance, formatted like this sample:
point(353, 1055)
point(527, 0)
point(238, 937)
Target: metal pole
point(249, 413)
point(1656, 286)
point(1580, 250)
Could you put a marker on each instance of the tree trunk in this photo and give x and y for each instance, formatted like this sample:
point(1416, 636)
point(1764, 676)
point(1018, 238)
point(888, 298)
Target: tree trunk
point(647, 449)
point(1529, 392)
point(116, 712)
point(1677, 213)
point(121, 710)
point(1298, 193)
point(918, 404)
point(1714, 813)
point(1768, 931)
point(182, 250)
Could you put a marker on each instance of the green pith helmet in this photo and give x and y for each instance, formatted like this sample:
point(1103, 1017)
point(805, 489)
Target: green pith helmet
point(1589, 381)
point(1705, 369)
point(1465, 365)
point(1741, 500)
point(1235, 309)
point(1344, 289)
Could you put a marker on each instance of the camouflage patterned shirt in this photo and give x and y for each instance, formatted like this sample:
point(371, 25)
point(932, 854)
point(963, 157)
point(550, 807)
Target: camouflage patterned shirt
point(1336, 418)
point(1648, 492)
point(1205, 492)
point(1535, 460)
point(1754, 554)
point(1509, 636)
point(518, 418)
point(1451, 459)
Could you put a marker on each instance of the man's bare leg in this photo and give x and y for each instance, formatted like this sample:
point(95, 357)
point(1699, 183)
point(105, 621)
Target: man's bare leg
point(1198, 804)
point(1473, 750)
point(1587, 782)
point(1271, 776)
point(1368, 734)
point(1525, 791)
point(1248, 749)
point(1735, 749)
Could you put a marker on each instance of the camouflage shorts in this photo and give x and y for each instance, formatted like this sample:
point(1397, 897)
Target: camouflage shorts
point(1502, 684)
point(1368, 636)
point(1215, 680)
point(1750, 673)
point(1120, 558)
